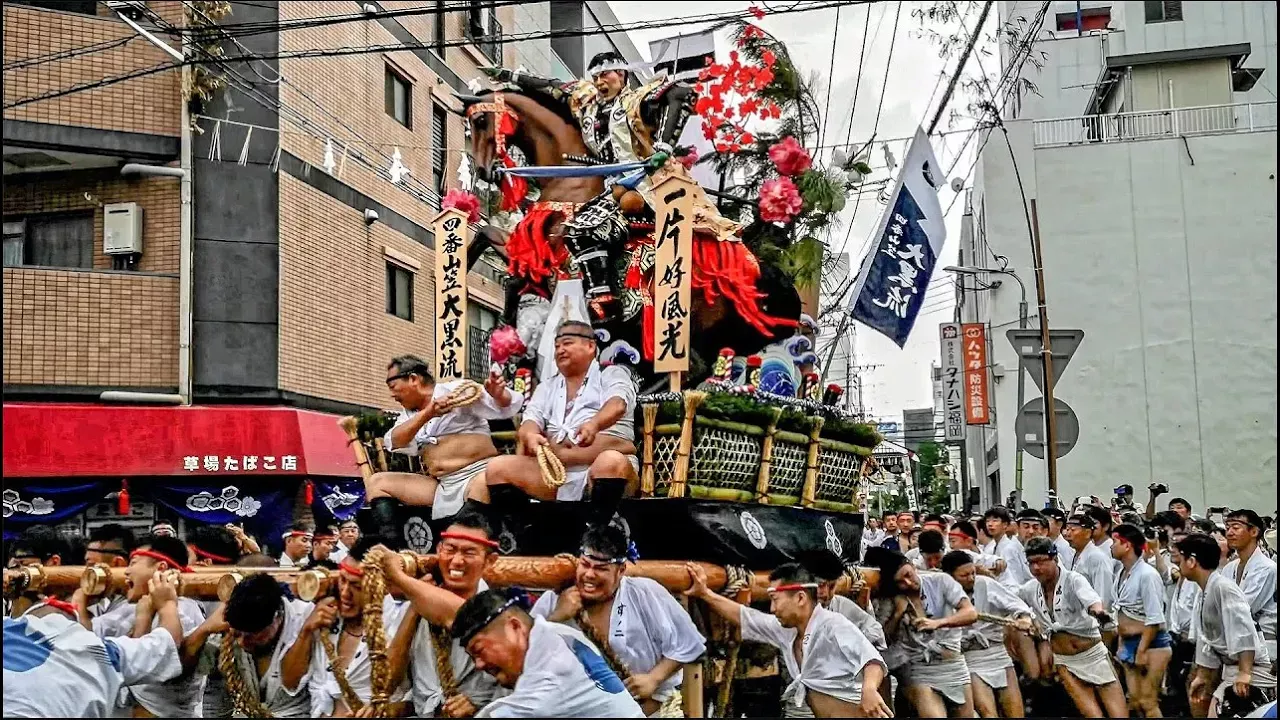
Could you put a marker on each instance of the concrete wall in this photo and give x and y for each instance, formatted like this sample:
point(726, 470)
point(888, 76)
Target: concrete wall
point(1195, 83)
point(1169, 267)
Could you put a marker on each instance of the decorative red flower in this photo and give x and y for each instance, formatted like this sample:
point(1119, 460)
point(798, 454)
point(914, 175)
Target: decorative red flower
point(748, 138)
point(757, 12)
point(505, 343)
point(768, 58)
point(779, 200)
point(750, 31)
point(689, 158)
point(464, 201)
point(790, 157)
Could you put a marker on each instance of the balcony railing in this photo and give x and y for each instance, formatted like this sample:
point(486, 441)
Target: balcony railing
point(1153, 124)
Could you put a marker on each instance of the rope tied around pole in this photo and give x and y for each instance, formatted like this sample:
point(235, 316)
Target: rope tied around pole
point(374, 585)
point(246, 703)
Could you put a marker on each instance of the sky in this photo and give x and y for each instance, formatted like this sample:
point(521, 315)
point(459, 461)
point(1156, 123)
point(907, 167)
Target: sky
point(901, 376)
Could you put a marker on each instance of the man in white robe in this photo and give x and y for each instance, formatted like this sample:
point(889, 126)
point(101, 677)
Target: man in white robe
point(586, 415)
point(1227, 638)
point(268, 626)
point(647, 629)
point(466, 548)
point(297, 545)
point(455, 446)
point(990, 667)
point(926, 614)
point(1066, 605)
point(1092, 561)
point(55, 667)
point(963, 535)
point(834, 668)
point(1253, 571)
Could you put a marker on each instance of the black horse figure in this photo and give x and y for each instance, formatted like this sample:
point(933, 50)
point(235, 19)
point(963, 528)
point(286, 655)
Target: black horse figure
point(546, 134)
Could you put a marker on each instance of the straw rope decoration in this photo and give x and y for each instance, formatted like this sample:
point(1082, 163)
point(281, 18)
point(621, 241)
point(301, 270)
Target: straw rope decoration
point(552, 469)
point(244, 702)
point(467, 392)
point(615, 663)
point(374, 585)
point(339, 673)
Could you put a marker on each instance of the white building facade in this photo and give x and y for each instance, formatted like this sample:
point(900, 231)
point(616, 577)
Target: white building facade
point(1150, 155)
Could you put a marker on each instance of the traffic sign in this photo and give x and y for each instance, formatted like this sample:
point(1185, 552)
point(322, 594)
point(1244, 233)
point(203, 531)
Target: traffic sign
point(1028, 344)
point(1029, 427)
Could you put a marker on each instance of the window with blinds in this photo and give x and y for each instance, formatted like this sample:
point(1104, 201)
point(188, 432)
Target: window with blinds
point(439, 148)
point(1162, 10)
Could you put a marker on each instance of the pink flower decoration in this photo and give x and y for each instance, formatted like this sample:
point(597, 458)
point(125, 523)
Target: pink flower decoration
point(464, 201)
point(504, 344)
point(689, 158)
point(779, 200)
point(790, 157)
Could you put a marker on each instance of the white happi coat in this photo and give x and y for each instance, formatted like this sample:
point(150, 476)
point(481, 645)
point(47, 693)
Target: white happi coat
point(833, 654)
point(1069, 613)
point(863, 620)
point(179, 697)
point(560, 419)
point(1096, 565)
point(1139, 594)
point(941, 596)
point(281, 701)
point(323, 684)
point(1259, 586)
point(471, 419)
point(646, 625)
point(564, 676)
point(992, 598)
point(1016, 568)
point(1222, 626)
point(54, 667)
point(480, 687)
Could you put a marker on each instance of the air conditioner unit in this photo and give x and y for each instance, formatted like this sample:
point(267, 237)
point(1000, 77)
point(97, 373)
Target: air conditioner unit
point(122, 229)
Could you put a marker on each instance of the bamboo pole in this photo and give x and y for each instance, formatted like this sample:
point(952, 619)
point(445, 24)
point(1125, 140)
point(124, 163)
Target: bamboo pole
point(691, 686)
point(647, 479)
point(680, 476)
point(731, 662)
point(766, 457)
point(810, 489)
point(351, 428)
point(382, 454)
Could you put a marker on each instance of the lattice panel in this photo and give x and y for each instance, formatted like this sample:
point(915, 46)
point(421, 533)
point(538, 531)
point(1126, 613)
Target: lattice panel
point(837, 475)
point(664, 462)
point(723, 459)
point(786, 472)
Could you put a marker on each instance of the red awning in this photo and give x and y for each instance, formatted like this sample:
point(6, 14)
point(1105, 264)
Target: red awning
point(78, 440)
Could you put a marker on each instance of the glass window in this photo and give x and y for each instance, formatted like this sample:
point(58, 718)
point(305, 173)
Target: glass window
point(61, 240)
point(1162, 10)
point(399, 292)
point(399, 98)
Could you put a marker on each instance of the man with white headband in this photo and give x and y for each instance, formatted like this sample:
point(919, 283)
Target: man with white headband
point(835, 670)
point(1063, 602)
point(638, 619)
point(1253, 571)
point(585, 414)
point(455, 445)
point(297, 546)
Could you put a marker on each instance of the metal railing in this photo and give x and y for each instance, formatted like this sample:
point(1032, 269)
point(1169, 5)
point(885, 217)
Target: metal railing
point(1153, 124)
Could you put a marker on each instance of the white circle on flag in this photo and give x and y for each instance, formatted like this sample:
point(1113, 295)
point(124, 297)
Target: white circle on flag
point(753, 529)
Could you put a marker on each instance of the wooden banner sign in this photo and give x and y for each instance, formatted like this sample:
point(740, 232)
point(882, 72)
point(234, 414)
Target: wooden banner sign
point(672, 273)
point(452, 237)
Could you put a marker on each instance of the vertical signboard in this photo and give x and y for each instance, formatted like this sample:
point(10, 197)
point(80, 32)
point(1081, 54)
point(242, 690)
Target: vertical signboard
point(953, 390)
point(976, 402)
point(452, 234)
point(672, 274)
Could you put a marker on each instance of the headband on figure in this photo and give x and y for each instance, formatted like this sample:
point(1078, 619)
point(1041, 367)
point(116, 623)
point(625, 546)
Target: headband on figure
point(792, 587)
point(575, 331)
point(160, 557)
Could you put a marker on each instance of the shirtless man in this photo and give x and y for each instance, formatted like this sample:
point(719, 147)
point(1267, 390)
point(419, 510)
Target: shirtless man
point(585, 414)
point(648, 631)
point(455, 446)
point(467, 548)
point(1145, 645)
point(834, 668)
point(1065, 603)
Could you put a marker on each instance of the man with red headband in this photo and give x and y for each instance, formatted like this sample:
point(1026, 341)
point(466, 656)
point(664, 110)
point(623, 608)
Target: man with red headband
point(586, 415)
point(835, 670)
point(649, 632)
point(963, 535)
point(54, 667)
point(347, 636)
point(323, 544)
point(297, 545)
point(155, 556)
point(466, 549)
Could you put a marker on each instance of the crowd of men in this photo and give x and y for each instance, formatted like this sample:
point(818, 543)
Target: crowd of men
point(1109, 610)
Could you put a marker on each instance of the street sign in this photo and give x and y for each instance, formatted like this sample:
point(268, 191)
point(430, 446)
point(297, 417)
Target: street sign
point(953, 397)
point(1028, 344)
point(1029, 427)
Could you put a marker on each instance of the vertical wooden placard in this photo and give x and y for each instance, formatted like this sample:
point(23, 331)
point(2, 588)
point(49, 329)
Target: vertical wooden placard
point(452, 237)
point(672, 274)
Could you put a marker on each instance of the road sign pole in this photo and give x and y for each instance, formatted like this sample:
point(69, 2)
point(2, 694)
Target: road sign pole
point(1046, 356)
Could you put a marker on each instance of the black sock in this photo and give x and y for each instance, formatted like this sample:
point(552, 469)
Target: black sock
point(506, 499)
point(606, 496)
point(385, 512)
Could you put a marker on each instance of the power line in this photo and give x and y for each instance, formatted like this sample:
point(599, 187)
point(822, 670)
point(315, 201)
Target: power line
point(68, 54)
point(826, 112)
point(964, 59)
point(259, 27)
point(418, 45)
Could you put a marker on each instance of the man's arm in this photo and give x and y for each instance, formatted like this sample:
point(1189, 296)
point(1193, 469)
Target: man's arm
point(436, 605)
point(142, 618)
point(401, 436)
point(399, 650)
point(297, 659)
point(724, 607)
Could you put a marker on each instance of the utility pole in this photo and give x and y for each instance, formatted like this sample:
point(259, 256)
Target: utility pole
point(1046, 356)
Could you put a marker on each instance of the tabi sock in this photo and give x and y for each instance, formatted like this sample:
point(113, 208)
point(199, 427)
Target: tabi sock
point(606, 496)
point(385, 512)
